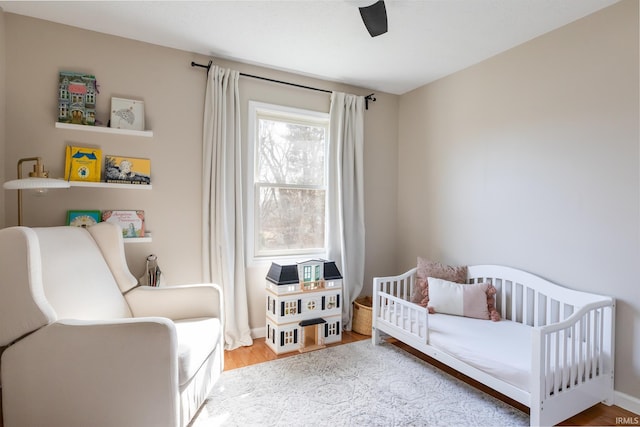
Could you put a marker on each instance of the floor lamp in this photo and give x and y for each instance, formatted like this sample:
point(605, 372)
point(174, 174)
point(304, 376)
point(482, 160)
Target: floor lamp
point(37, 180)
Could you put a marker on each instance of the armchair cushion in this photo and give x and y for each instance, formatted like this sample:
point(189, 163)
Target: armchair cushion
point(197, 339)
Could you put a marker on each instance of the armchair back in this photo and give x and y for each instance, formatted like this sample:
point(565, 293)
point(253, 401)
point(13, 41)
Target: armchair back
point(76, 278)
point(23, 305)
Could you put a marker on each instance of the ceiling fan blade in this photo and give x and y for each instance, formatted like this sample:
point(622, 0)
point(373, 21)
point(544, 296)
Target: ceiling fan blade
point(375, 18)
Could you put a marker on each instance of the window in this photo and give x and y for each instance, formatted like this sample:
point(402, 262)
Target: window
point(307, 272)
point(290, 337)
point(290, 308)
point(332, 329)
point(333, 302)
point(288, 182)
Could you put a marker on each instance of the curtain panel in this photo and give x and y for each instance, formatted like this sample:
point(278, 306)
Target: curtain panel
point(346, 235)
point(222, 218)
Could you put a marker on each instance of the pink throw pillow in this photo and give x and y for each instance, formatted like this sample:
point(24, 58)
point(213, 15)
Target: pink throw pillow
point(437, 270)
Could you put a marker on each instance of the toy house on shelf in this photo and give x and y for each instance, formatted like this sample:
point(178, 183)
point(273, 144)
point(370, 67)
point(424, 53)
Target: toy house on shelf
point(304, 309)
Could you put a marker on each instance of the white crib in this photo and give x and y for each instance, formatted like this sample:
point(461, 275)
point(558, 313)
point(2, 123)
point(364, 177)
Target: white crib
point(567, 336)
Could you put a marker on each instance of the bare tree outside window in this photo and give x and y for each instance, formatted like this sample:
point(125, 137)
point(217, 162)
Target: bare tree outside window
point(290, 185)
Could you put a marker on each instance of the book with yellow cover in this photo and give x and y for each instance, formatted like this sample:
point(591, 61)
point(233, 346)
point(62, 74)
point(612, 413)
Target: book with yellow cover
point(127, 170)
point(83, 164)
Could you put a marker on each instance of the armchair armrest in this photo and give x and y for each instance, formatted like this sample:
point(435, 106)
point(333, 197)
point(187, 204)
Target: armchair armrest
point(176, 302)
point(79, 373)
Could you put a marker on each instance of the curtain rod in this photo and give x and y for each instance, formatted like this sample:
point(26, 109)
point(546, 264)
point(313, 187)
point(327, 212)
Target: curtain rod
point(367, 98)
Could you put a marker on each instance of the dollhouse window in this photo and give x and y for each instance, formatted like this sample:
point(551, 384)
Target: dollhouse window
point(332, 302)
point(289, 337)
point(307, 273)
point(290, 308)
point(332, 329)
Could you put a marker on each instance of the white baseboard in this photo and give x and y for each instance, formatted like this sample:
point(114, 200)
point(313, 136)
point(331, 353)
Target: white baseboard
point(627, 402)
point(259, 332)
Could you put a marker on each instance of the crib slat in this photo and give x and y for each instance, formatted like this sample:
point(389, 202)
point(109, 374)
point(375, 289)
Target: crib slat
point(588, 357)
point(525, 306)
point(555, 369)
point(547, 369)
point(574, 355)
point(503, 304)
point(601, 344)
point(514, 301)
point(581, 352)
point(566, 375)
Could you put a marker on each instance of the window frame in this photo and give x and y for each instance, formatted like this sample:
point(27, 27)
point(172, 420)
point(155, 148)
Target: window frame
point(256, 111)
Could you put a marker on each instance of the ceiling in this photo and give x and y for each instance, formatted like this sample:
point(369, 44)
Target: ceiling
point(427, 39)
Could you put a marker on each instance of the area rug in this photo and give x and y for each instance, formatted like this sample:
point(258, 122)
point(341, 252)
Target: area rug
point(355, 384)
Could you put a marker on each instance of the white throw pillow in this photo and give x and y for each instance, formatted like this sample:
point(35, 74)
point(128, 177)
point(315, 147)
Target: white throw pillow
point(458, 299)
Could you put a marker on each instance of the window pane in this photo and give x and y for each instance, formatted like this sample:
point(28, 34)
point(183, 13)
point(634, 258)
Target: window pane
point(290, 153)
point(290, 219)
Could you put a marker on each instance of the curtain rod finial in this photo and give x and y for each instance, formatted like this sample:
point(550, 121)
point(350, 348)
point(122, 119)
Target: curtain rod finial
point(368, 98)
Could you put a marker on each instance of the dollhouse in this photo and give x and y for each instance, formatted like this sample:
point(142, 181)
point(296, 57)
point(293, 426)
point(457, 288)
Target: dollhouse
point(304, 309)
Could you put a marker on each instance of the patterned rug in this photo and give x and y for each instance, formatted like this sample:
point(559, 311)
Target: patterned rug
point(355, 384)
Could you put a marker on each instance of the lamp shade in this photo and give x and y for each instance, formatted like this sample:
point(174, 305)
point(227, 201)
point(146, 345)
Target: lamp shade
point(35, 183)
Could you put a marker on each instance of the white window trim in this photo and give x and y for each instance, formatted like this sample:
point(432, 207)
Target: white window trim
point(276, 111)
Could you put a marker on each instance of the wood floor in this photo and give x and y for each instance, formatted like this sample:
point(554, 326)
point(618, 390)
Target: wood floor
point(599, 415)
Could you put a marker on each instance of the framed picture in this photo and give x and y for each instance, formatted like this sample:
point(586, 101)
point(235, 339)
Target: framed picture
point(83, 218)
point(127, 114)
point(127, 170)
point(131, 222)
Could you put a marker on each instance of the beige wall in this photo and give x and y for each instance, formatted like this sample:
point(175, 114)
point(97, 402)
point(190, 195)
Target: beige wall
point(2, 113)
point(173, 92)
point(531, 159)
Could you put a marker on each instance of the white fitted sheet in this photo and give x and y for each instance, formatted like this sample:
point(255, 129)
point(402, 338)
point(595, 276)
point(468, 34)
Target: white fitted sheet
point(501, 349)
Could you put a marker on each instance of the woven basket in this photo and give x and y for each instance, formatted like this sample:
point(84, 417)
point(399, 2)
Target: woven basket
point(362, 316)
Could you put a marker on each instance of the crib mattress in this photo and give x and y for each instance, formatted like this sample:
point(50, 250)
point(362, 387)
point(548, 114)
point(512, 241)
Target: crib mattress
point(502, 349)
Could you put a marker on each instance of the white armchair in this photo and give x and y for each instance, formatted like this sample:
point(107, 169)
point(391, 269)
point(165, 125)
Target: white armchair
point(86, 346)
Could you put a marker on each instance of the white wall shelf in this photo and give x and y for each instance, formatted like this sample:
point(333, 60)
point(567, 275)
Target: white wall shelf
point(112, 131)
point(137, 240)
point(110, 185)
point(103, 129)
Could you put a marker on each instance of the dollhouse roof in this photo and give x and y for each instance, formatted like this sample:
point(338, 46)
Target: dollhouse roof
point(282, 274)
point(288, 274)
point(331, 271)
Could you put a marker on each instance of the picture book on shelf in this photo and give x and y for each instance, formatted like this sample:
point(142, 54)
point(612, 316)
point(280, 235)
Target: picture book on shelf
point(77, 94)
point(127, 114)
point(83, 218)
point(82, 164)
point(127, 170)
point(131, 222)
